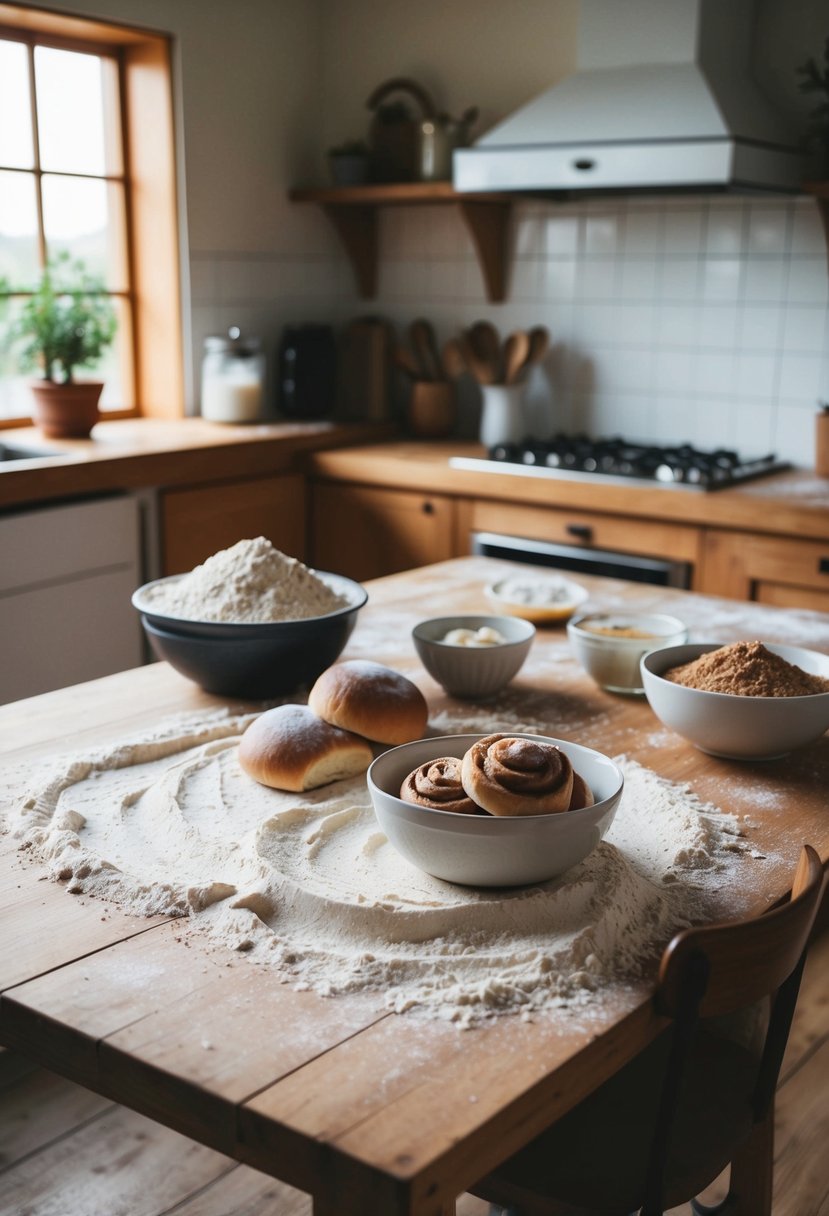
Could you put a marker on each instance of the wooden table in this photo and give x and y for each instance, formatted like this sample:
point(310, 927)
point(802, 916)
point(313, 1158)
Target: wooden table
point(366, 1110)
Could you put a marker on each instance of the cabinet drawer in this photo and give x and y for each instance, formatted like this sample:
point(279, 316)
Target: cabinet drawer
point(591, 531)
point(746, 566)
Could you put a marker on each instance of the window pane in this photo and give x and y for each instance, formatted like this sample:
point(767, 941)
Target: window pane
point(15, 397)
point(16, 146)
point(18, 229)
point(115, 367)
point(85, 218)
point(73, 92)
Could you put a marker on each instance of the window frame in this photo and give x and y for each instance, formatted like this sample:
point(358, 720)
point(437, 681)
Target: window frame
point(148, 173)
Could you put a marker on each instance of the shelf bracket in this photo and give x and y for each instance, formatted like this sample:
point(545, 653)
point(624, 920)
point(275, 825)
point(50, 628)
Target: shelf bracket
point(488, 224)
point(356, 227)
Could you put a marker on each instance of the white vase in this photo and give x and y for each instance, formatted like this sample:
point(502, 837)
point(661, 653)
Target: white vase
point(502, 414)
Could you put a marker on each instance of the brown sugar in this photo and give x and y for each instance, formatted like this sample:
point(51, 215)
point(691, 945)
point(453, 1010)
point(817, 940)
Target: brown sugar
point(747, 669)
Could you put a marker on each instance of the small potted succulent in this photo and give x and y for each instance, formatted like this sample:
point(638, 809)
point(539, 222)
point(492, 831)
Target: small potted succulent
point(348, 163)
point(66, 323)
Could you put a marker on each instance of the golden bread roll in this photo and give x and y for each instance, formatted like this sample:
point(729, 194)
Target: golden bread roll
point(370, 700)
point(509, 776)
point(582, 795)
point(290, 748)
point(437, 784)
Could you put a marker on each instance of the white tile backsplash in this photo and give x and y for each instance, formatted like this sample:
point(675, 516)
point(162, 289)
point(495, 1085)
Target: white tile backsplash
point(702, 320)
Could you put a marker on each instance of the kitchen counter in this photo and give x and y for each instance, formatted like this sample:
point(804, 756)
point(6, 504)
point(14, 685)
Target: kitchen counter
point(137, 452)
point(794, 502)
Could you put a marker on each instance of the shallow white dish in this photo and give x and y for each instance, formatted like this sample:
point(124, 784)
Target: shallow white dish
point(613, 659)
point(539, 611)
point(736, 727)
point(473, 671)
point(489, 850)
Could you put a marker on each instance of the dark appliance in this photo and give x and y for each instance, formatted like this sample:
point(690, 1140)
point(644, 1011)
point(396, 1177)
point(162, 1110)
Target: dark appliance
point(307, 372)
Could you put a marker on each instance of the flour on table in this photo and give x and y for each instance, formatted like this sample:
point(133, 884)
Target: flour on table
point(308, 884)
point(248, 583)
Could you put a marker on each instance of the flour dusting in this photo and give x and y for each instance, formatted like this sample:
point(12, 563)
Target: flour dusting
point(307, 883)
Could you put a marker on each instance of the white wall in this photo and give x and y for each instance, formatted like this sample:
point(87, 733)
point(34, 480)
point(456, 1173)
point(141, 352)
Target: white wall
point(702, 319)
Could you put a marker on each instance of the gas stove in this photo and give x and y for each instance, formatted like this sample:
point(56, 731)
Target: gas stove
point(618, 460)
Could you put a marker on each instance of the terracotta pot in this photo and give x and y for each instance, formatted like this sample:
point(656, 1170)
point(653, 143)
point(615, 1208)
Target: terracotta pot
point(66, 411)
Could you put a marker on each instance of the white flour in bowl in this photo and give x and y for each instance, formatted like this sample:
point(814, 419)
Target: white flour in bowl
point(307, 883)
point(250, 582)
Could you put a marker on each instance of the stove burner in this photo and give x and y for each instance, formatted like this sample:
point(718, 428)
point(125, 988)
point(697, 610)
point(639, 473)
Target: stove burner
point(680, 464)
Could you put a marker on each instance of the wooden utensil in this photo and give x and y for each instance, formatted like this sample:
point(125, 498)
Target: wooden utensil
point(539, 337)
point(486, 343)
point(425, 348)
point(405, 360)
point(516, 349)
point(480, 368)
point(454, 363)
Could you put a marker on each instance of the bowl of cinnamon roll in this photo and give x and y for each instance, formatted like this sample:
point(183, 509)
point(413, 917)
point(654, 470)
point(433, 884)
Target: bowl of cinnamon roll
point(494, 811)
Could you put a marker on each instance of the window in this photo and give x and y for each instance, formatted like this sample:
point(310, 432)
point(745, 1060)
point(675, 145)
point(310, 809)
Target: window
point(87, 169)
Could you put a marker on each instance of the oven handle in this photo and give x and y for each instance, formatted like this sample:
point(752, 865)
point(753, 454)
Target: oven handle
point(631, 566)
point(582, 532)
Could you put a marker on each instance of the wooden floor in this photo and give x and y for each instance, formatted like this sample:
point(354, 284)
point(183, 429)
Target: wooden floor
point(66, 1152)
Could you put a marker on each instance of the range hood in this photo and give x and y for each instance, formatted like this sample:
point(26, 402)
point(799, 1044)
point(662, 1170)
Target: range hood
point(662, 100)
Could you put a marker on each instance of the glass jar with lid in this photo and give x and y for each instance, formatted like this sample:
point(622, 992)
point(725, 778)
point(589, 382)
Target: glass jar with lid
point(233, 378)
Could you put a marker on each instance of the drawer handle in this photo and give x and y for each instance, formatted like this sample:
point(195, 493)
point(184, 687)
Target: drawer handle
point(823, 565)
point(584, 164)
point(428, 508)
point(581, 532)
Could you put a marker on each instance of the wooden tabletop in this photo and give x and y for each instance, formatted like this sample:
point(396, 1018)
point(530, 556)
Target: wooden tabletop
point(363, 1108)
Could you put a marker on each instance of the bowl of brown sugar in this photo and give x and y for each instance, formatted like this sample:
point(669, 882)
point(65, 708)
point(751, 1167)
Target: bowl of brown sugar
point(743, 701)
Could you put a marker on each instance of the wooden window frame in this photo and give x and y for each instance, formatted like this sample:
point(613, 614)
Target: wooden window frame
point(149, 174)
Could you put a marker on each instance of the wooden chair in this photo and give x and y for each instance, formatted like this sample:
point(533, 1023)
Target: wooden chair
point(665, 1126)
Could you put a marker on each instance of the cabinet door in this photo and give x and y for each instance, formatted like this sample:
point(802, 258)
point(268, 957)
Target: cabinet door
point(198, 522)
point(364, 532)
point(783, 571)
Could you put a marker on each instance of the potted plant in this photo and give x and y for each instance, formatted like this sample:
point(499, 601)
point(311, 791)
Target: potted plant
point(66, 323)
point(349, 163)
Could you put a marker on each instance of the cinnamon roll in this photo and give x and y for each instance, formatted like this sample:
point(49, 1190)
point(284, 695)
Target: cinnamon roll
point(509, 776)
point(582, 795)
point(437, 784)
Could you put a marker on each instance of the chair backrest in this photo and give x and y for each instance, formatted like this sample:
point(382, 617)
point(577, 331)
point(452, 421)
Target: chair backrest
point(748, 959)
point(719, 969)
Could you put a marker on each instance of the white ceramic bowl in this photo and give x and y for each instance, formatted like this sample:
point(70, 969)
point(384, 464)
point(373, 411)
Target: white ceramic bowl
point(473, 671)
point(613, 659)
point(545, 596)
point(489, 850)
point(737, 727)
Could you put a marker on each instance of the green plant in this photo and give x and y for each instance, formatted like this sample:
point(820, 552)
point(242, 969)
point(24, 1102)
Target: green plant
point(66, 323)
point(816, 80)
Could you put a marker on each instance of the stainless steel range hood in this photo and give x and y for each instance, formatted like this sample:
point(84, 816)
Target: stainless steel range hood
point(663, 99)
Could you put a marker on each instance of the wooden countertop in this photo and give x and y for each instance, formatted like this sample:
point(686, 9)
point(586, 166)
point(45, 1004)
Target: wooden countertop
point(132, 453)
point(793, 502)
point(310, 1089)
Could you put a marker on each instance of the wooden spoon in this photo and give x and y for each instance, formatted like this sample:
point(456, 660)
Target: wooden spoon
point(454, 363)
point(480, 368)
point(426, 349)
point(405, 360)
point(539, 337)
point(486, 343)
point(516, 349)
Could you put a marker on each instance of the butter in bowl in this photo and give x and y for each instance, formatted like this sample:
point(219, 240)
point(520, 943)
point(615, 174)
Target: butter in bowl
point(473, 656)
point(609, 645)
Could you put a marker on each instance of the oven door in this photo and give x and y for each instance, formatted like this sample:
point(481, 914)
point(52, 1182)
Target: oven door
point(630, 566)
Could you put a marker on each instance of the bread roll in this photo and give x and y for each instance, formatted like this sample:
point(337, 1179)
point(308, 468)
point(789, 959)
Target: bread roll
point(290, 748)
point(371, 700)
point(509, 776)
point(437, 785)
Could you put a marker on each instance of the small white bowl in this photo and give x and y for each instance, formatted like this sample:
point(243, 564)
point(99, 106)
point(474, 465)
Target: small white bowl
point(611, 658)
point(737, 727)
point(490, 850)
point(543, 597)
point(473, 671)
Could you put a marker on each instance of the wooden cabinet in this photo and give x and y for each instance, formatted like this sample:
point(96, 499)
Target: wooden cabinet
point(783, 571)
point(586, 530)
point(365, 532)
point(199, 521)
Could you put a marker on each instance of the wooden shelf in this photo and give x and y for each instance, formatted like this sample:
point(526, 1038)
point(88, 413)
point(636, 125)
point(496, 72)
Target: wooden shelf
point(352, 211)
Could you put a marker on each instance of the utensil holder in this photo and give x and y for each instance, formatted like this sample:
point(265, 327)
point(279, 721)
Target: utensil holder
point(432, 409)
point(822, 443)
point(502, 414)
